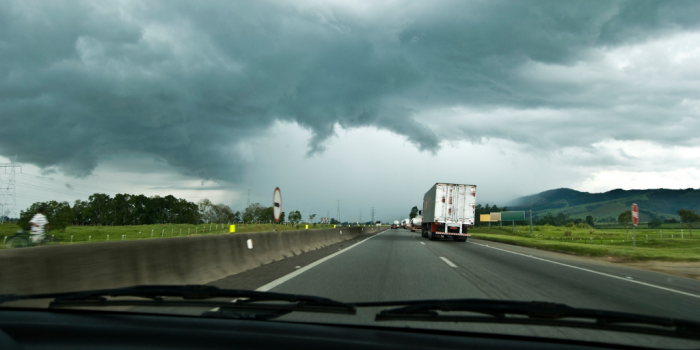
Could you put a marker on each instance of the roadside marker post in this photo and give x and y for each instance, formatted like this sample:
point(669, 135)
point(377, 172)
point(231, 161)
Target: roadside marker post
point(232, 229)
point(635, 221)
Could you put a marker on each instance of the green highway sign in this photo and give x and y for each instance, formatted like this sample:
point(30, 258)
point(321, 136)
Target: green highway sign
point(512, 215)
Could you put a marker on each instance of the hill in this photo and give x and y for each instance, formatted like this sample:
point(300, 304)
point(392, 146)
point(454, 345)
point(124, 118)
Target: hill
point(653, 203)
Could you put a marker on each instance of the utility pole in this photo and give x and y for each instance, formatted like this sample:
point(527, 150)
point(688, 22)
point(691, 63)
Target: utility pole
point(360, 216)
point(248, 203)
point(530, 222)
point(372, 214)
point(337, 214)
point(8, 190)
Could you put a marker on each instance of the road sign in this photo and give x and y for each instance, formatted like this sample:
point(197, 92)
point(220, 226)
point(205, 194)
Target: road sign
point(635, 214)
point(512, 215)
point(277, 204)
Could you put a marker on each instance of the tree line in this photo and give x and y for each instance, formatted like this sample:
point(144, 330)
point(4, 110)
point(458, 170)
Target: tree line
point(125, 209)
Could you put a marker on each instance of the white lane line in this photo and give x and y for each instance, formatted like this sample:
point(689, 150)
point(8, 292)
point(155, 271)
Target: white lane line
point(448, 262)
point(423, 243)
point(596, 272)
point(298, 272)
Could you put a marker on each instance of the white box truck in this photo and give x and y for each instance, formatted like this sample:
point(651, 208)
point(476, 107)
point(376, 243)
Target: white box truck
point(448, 211)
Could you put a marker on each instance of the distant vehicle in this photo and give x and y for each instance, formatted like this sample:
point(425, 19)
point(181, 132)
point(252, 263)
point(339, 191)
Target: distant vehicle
point(416, 223)
point(396, 222)
point(394, 226)
point(406, 223)
point(448, 211)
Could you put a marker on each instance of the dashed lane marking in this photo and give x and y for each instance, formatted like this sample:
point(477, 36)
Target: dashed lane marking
point(448, 262)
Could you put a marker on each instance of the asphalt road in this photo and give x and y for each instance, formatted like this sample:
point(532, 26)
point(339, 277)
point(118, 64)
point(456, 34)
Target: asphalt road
point(400, 265)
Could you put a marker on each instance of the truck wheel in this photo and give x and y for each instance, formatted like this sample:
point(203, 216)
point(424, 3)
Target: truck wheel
point(433, 236)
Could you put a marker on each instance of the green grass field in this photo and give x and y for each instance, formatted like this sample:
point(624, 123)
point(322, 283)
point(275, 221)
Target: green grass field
point(652, 244)
point(87, 234)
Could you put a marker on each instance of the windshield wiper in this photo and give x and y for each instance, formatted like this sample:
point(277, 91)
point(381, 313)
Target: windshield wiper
point(533, 313)
point(246, 303)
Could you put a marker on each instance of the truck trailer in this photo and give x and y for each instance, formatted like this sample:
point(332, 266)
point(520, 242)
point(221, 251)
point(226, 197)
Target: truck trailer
point(416, 223)
point(448, 211)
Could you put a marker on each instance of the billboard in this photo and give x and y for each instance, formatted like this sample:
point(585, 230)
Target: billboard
point(485, 217)
point(512, 215)
point(495, 216)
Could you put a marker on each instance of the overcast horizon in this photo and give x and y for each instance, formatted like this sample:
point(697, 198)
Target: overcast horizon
point(369, 104)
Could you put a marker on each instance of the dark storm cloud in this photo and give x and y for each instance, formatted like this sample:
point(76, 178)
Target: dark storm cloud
point(185, 81)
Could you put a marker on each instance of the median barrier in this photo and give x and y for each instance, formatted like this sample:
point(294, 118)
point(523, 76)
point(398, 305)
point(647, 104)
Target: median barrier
point(177, 260)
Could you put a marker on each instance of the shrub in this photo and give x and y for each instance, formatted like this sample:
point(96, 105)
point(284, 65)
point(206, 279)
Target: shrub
point(571, 224)
point(583, 225)
point(567, 233)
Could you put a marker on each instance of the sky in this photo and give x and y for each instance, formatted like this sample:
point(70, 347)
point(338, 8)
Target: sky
point(347, 105)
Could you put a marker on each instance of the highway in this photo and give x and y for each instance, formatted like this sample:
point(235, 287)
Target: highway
point(400, 265)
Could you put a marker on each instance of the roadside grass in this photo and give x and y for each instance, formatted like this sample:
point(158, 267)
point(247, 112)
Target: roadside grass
point(590, 242)
point(89, 234)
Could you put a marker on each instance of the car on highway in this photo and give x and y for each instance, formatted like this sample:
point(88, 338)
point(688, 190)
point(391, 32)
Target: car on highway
point(394, 226)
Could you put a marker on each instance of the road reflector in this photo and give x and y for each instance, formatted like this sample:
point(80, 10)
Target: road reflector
point(250, 243)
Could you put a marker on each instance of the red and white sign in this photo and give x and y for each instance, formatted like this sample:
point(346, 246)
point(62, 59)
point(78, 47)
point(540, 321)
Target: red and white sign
point(635, 214)
point(277, 204)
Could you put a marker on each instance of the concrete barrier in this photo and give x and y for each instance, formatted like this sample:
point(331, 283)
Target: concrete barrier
point(177, 260)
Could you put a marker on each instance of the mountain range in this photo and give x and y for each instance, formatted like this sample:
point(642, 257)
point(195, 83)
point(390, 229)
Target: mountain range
point(653, 203)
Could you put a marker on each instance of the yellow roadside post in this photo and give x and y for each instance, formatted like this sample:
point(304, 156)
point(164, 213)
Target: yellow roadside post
point(232, 229)
point(307, 227)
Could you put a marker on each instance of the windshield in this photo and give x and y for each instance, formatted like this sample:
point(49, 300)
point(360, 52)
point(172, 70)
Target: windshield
point(359, 152)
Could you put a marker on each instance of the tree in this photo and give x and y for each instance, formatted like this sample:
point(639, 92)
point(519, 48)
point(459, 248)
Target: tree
point(655, 223)
point(236, 217)
point(282, 218)
point(414, 212)
point(253, 213)
point(624, 219)
point(689, 217)
point(206, 209)
point(589, 221)
point(334, 221)
point(99, 203)
point(295, 217)
point(311, 217)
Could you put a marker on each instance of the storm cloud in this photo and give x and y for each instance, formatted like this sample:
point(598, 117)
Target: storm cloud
point(186, 82)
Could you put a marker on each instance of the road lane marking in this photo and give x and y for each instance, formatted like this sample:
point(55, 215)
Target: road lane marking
point(298, 272)
point(593, 271)
point(447, 261)
point(423, 243)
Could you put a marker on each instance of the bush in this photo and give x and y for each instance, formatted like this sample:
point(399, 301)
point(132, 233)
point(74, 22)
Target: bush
point(567, 233)
point(571, 224)
point(583, 225)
